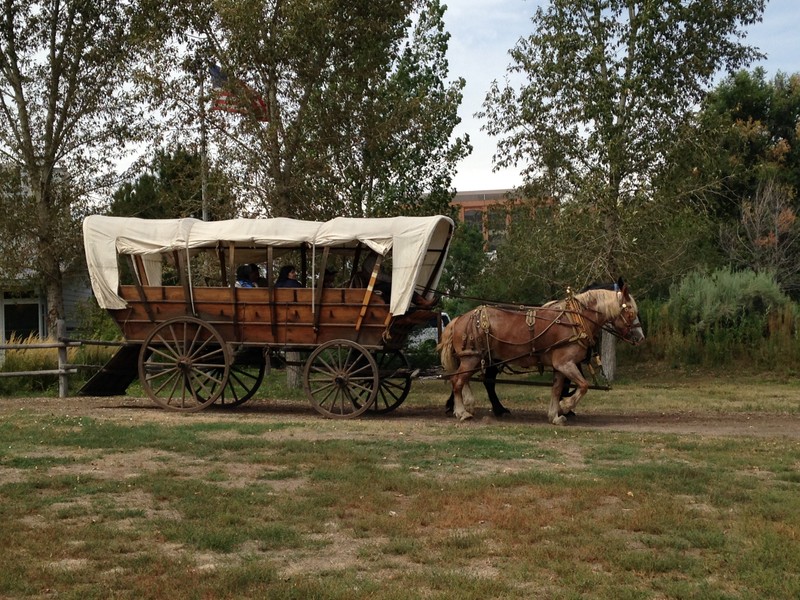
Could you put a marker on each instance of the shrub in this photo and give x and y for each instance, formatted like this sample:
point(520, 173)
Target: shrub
point(46, 359)
point(725, 299)
point(727, 316)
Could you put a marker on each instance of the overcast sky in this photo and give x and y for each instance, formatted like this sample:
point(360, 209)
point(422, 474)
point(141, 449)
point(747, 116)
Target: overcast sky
point(483, 31)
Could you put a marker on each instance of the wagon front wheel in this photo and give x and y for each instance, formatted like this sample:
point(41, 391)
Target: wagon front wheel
point(341, 379)
point(395, 380)
point(245, 377)
point(184, 364)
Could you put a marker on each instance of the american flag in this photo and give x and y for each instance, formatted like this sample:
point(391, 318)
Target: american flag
point(236, 96)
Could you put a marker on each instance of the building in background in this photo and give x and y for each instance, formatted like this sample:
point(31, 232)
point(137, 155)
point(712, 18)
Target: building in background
point(23, 306)
point(489, 210)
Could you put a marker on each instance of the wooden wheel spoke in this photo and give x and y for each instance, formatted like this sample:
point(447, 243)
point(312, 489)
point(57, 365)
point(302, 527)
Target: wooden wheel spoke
point(162, 352)
point(330, 391)
point(395, 381)
point(184, 364)
point(174, 377)
point(326, 365)
point(195, 352)
point(201, 380)
point(356, 369)
point(341, 379)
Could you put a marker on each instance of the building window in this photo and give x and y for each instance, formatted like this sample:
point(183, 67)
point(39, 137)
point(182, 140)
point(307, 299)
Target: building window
point(497, 225)
point(474, 217)
point(20, 316)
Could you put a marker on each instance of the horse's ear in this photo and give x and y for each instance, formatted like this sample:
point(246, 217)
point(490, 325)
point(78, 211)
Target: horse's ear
point(623, 289)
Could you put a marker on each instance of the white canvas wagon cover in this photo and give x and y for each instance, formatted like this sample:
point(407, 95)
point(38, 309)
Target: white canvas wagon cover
point(409, 238)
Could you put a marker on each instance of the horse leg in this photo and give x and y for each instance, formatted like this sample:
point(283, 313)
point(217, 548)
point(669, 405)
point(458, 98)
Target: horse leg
point(572, 371)
point(448, 406)
point(566, 393)
point(554, 410)
point(460, 385)
point(489, 381)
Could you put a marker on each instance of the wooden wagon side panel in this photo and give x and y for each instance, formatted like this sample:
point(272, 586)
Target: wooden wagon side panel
point(280, 317)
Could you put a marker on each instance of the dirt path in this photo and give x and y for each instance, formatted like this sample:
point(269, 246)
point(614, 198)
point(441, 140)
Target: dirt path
point(707, 424)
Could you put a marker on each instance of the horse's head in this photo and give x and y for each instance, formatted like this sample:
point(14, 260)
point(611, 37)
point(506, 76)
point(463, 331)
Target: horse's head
point(627, 323)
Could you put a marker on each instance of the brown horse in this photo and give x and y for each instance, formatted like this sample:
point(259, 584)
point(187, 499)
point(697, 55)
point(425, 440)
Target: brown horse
point(556, 335)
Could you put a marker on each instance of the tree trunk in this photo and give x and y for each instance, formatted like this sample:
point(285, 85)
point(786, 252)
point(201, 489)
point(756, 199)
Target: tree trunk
point(608, 354)
point(294, 377)
point(49, 260)
point(55, 302)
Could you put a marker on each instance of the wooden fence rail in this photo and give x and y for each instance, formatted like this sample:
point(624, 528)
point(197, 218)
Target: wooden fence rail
point(65, 369)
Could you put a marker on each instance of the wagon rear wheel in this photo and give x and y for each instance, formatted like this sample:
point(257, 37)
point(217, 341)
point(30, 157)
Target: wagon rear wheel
point(341, 379)
point(184, 364)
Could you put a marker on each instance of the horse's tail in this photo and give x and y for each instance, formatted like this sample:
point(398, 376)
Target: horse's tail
point(445, 348)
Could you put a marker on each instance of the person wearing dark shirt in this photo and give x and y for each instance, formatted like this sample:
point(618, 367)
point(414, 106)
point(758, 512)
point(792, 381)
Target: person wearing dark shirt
point(287, 278)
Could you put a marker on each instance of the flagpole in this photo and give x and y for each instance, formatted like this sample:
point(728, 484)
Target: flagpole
point(203, 146)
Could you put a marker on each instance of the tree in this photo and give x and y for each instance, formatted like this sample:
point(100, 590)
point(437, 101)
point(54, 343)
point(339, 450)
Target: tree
point(753, 125)
point(360, 114)
point(767, 238)
point(606, 90)
point(65, 112)
point(171, 188)
point(466, 264)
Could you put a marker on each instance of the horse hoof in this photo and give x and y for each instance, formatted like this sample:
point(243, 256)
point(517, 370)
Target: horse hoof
point(570, 415)
point(465, 417)
point(560, 420)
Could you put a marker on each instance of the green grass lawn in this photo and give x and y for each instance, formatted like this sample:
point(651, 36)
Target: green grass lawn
point(116, 501)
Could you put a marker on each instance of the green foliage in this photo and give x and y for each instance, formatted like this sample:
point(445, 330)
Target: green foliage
point(94, 323)
point(606, 89)
point(725, 318)
point(767, 236)
point(753, 122)
point(466, 264)
point(361, 114)
point(552, 247)
point(423, 356)
point(171, 188)
point(725, 299)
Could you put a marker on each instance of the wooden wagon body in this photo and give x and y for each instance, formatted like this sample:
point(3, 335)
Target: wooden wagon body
point(198, 339)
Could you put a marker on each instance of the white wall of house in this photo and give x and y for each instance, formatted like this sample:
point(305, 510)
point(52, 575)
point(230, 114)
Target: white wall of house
point(25, 313)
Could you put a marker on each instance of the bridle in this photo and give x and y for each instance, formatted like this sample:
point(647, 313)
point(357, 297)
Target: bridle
point(630, 321)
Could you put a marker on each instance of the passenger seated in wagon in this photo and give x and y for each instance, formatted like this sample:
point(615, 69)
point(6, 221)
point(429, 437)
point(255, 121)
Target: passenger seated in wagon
point(287, 277)
point(383, 283)
point(244, 277)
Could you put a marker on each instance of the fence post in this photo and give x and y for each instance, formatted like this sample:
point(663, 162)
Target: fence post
point(63, 378)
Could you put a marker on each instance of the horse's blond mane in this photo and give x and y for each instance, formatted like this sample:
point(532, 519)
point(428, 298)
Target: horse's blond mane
point(603, 301)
